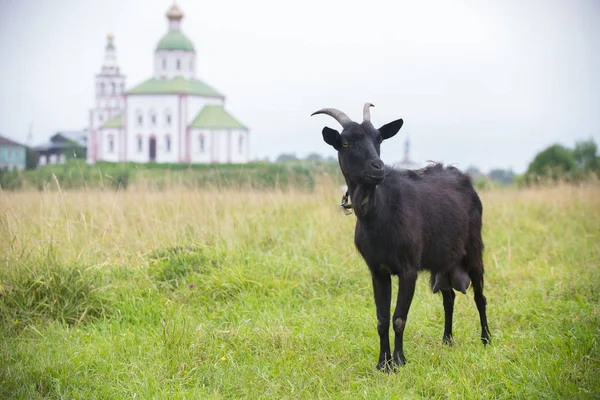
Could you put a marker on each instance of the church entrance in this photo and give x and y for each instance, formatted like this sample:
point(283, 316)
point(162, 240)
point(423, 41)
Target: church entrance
point(152, 148)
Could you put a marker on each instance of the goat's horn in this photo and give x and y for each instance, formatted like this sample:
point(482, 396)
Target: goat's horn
point(339, 116)
point(367, 112)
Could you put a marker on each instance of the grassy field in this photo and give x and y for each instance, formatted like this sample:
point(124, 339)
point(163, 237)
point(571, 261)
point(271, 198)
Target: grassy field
point(76, 174)
point(201, 294)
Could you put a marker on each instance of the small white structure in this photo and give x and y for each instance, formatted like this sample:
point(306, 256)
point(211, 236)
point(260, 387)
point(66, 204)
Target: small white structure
point(170, 118)
point(406, 162)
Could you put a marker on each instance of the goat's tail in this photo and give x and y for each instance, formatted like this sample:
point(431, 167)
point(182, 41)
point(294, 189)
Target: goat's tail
point(474, 257)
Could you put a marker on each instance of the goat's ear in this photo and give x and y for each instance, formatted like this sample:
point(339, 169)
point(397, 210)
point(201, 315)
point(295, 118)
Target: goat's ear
point(389, 130)
point(332, 138)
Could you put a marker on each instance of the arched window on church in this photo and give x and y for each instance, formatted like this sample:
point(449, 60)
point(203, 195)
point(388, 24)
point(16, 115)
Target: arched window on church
point(140, 118)
point(152, 117)
point(167, 118)
point(111, 143)
point(140, 143)
point(241, 143)
point(201, 143)
point(168, 143)
point(178, 65)
point(113, 87)
point(164, 64)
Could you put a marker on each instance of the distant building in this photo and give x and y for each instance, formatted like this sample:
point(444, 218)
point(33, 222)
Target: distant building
point(171, 117)
point(406, 162)
point(13, 155)
point(63, 146)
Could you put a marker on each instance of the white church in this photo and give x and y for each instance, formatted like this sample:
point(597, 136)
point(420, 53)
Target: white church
point(170, 118)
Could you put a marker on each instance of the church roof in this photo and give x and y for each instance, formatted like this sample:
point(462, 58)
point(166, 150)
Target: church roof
point(215, 116)
point(176, 85)
point(116, 122)
point(175, 40)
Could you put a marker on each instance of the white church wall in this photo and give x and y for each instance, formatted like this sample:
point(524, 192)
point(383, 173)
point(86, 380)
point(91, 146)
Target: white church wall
point(171, 63)
point(201, 145)
point(224, 143)
point(216, 141)
point(220, 146)
point(160, 106)
point(110, 145)
point(228, 148)
point(239, 146)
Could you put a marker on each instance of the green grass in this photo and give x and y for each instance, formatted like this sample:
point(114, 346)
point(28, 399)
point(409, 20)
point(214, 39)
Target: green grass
point(197, 294)
point(76, 174)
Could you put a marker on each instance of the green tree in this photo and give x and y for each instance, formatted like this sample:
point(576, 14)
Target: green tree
point(585, 155)
point(31, 158)
point(555, 161)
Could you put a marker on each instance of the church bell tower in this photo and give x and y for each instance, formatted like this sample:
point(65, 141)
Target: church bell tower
point(110, 96)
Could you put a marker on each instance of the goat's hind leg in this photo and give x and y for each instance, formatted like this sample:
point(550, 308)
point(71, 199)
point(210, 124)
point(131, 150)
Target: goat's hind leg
point(448, 296)
point(480, 302)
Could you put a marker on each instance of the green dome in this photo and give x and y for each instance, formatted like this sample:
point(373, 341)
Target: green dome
point(175, 40)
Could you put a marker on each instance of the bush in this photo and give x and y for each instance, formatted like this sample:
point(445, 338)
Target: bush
point(11, 180)
point(50, 291)
point(174, 264)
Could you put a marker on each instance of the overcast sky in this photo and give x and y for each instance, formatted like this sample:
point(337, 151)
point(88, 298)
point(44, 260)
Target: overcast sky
point(485, 83)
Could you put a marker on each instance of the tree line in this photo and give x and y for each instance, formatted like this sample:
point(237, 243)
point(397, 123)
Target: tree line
point(560, 163)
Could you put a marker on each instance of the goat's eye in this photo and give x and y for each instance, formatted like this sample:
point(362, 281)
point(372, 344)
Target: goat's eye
point(345, 144)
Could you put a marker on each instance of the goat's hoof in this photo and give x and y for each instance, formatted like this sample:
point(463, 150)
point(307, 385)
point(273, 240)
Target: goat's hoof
point(385, 366)
point(486, 340)
point(391, 364)
point(400, 360)
point(447, 340)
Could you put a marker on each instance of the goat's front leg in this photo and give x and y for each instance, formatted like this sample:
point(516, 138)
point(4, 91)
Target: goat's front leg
point(382, 288)
point(406, 290)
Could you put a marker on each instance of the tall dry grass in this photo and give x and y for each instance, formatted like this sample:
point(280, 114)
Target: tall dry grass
point(96, 226)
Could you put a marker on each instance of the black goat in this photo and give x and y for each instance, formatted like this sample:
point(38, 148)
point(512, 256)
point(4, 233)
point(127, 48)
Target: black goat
point(408, 221)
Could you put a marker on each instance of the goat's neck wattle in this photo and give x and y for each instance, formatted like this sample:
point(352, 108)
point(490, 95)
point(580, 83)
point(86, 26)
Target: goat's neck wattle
point(362, 198)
